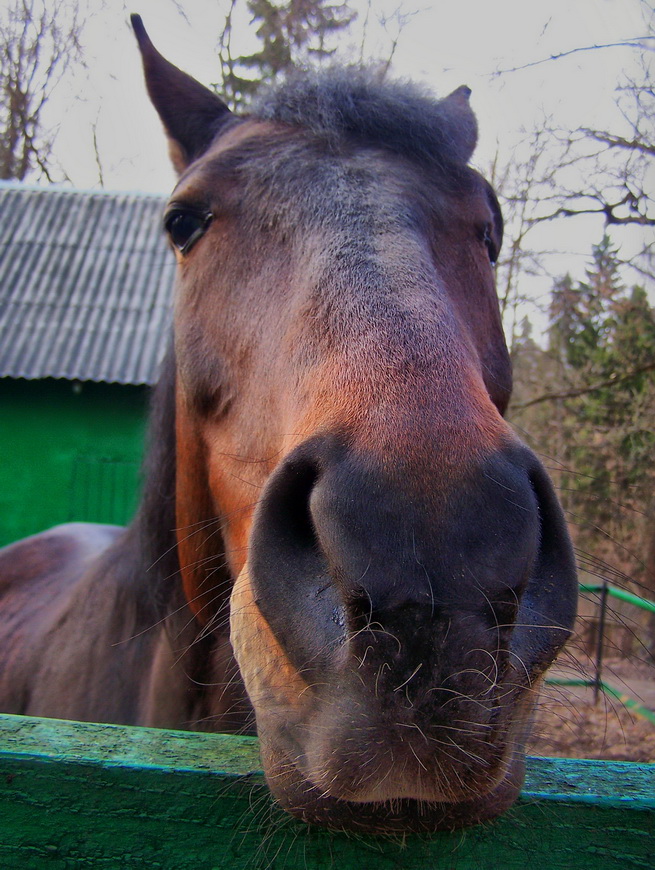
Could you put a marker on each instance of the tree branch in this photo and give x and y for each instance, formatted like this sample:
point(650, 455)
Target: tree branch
point(620, 142)
point(634, 42)
point(583, 391)
point(607, 209)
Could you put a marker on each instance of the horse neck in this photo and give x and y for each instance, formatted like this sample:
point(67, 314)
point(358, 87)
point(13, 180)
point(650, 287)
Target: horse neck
point(151, 534)
point(192, 670)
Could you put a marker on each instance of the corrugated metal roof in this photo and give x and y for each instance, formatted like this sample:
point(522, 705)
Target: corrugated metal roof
point(86, 285)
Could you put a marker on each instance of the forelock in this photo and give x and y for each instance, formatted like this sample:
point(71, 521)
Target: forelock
point(350, 104)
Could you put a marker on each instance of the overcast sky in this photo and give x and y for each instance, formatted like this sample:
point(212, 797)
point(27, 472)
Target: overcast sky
point(444, 44)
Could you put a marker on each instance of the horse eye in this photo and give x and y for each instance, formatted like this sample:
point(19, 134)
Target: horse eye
point(492, 250)
point(185, 228)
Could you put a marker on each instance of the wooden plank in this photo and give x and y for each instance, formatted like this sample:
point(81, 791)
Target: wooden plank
point(79, 795)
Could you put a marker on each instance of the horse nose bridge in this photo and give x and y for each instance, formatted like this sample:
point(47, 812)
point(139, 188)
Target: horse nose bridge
point(405, 407)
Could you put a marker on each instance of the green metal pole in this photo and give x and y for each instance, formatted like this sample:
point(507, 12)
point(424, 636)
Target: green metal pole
point(637, 600)
point(630, 703)
point(599, 642)
point(622, 594)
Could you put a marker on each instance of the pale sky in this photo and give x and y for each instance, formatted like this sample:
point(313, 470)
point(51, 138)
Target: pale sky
point(443, 45)
point(448, 44)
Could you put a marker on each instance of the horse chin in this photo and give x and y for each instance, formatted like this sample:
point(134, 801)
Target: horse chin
point(391, 815)
point(328, 788)
point(329, 764)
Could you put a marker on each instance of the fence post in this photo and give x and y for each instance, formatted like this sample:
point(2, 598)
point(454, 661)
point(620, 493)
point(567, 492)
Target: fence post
point(598, 682)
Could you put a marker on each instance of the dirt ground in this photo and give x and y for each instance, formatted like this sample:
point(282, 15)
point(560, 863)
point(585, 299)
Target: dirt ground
point(570, 724)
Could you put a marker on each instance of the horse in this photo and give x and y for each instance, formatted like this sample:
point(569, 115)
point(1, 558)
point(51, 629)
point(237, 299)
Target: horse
point(339, 534)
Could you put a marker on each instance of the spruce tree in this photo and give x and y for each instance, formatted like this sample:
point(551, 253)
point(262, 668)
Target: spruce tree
point(292, 33)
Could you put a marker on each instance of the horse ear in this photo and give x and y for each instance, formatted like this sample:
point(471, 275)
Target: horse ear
point(460, 122)
point(191, 113)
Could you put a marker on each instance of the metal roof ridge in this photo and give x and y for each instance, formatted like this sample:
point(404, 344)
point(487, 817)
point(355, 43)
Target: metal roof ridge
point(12, 184)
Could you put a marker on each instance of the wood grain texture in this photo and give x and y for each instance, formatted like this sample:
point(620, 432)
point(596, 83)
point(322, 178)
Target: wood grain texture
point(79, 795)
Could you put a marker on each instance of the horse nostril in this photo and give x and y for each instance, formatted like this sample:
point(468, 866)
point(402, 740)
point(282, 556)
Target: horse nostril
point(288, 568)
point(289, 508)
point(329, 539)
point(358, 609)
point(503, 611)
point(284, 535)
point(548, 604)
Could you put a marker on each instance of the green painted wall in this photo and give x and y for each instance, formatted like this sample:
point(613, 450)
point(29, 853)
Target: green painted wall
point(68, 451)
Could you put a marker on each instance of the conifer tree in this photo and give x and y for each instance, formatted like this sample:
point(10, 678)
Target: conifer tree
point(291, 33)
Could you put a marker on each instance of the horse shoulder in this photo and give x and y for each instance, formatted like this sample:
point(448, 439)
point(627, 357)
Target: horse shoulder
point(38, 574)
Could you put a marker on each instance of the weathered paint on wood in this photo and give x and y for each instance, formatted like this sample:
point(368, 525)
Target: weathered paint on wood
point(78, 795)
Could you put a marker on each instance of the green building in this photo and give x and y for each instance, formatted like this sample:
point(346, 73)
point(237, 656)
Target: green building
point(85, 309)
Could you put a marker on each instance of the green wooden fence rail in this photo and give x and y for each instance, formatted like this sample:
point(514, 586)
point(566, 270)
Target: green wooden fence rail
point(79, 795)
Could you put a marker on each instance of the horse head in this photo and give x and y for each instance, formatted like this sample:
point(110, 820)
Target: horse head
point(399, 574)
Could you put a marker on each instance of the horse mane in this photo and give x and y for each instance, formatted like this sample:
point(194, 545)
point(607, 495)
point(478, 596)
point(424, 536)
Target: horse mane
point(351, 103)
point(151, 533)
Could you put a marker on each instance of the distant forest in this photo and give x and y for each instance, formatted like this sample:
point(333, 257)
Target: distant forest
point(586, 404)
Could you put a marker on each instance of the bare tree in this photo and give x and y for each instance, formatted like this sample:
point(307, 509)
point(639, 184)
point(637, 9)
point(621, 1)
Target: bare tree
point(615, 168)
point(290, 34)
point(593, 422)
point(391, 23)
point(519, 185)
point(609, 172)
point(39, 39)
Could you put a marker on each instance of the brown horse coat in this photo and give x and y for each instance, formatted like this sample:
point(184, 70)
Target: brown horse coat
point(330, 477)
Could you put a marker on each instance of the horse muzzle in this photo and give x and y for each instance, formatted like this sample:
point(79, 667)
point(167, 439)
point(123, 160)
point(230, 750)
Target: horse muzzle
point(391, 625)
